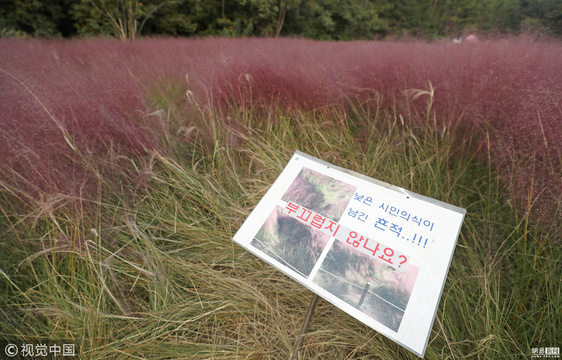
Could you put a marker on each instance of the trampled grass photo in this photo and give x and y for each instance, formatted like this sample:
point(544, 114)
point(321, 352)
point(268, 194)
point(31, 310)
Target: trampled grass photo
point(290, 242)
point(320, 193)
point(365, 282)
point(127, 167)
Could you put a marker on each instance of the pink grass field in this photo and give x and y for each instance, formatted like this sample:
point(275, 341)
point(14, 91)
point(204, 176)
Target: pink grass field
point(96, 91)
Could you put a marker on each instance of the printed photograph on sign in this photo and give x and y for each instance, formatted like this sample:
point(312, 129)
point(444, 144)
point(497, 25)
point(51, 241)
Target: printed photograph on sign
point(365, 282)
point(289, 241)
point(320, 193)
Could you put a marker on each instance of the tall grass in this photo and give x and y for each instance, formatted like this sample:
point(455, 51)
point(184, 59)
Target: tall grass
point(142, 264)
point(95, 90)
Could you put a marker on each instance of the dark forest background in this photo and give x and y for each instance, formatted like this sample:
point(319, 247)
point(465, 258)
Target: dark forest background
point(313, 19)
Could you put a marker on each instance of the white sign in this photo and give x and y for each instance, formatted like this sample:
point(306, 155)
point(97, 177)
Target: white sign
point(378, 252)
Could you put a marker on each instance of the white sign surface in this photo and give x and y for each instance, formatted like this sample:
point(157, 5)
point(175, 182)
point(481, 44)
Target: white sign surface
point(378, 252)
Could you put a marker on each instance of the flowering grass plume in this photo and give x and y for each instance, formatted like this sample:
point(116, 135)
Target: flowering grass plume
point(509, 90)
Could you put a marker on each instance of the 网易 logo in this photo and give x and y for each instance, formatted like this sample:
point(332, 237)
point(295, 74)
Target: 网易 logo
point(545, 353)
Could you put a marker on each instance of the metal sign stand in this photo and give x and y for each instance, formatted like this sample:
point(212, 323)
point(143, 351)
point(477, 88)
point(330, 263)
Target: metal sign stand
point(309, 316)
point(305, 326)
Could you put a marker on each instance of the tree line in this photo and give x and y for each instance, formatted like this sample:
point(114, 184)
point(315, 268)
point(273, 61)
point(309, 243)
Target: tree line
point(314, 19)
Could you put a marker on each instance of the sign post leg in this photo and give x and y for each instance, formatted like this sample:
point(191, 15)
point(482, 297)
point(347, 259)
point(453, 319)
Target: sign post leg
point(305, 326)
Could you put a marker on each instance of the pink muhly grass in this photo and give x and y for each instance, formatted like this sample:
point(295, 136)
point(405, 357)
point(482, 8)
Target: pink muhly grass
point(508, 91)
point(62, 105)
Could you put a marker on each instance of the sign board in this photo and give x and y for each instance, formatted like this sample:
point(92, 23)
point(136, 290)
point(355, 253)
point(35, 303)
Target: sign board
point(378, 252)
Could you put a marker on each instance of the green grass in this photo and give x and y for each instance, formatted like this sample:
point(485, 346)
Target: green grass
point(146, 269)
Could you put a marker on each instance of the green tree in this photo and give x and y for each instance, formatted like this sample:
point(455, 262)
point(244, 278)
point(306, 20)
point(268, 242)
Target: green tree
point(188, 18)
point(456, 16)
point(431, 18)
point(317, 19)
point(223, 17)
point(547, 13)
point(122, 18)
point(36, 18)
point(284, 6)
point(498, 15)
point(256, 17)
point(409, 17)
point(338, 20)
